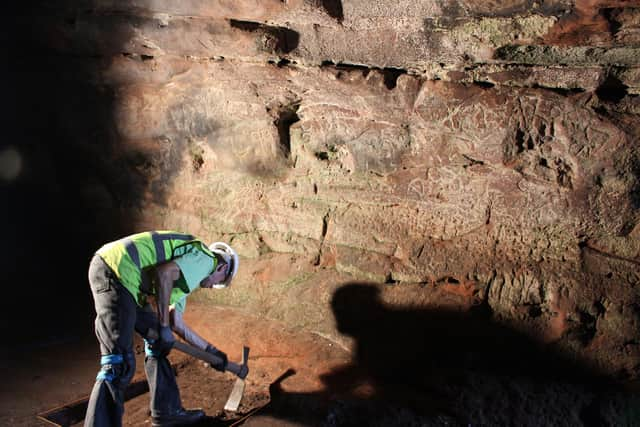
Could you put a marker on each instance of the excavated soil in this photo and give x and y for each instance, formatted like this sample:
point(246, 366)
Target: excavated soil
point(275, 352)
point(300, 378)
point(40, 378)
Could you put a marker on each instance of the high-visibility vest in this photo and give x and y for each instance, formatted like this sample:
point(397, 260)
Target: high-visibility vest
point(132, 257)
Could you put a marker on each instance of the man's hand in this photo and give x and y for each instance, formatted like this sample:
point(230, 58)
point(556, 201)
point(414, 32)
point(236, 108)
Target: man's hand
point(219, 354)
point(166, 335)
point(164, 343)
point(244, 371)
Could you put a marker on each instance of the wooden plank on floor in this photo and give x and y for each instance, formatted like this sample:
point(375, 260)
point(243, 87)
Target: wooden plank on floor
point(74, 412)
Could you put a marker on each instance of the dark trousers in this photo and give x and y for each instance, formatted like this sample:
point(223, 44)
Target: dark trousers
point(117, 316)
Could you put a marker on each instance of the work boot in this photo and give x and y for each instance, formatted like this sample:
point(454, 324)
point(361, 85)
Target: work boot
point(178, 418)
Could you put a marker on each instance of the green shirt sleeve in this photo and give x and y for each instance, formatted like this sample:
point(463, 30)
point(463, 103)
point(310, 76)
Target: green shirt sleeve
point(180, 305)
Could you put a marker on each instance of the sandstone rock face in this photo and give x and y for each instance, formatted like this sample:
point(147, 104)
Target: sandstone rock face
point(487, 150)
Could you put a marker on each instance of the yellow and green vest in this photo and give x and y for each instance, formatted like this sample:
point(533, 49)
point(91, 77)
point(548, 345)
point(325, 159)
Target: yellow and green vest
point(134, 256)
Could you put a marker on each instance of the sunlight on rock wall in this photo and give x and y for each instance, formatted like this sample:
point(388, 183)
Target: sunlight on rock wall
point(485, 151)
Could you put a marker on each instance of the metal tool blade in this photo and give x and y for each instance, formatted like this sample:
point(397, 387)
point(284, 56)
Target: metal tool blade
point(235, 396)
point(233, 402)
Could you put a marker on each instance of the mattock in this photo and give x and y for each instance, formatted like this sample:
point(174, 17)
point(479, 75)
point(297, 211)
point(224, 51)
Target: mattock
point(233, 402)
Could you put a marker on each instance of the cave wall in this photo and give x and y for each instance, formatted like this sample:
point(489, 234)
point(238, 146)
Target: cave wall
point(487, 149)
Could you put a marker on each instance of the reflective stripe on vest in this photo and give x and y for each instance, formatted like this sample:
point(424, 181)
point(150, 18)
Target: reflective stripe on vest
point(158, 243)
point(132, 250)
point(159, 239)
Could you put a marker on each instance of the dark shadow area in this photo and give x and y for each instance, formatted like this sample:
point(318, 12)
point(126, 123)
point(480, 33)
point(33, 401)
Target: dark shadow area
point(273, 39)
point(483, 84)
point(74, 412)
point(333, 9)
point(282, 62)
point(391, 76)
point(287, 115)
point(213, 422)
point(436, 345)
point(62, 194)
point(612, 15)
point(612, 89)
point(444, 367)
point(346, 67)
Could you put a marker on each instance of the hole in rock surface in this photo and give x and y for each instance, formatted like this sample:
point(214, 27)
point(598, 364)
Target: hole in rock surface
point(333, 8)
point(287, 116)
point(273, 38)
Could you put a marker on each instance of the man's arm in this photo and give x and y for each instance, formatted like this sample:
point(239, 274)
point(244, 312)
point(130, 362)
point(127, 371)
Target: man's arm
point(196, 340)
point(184, 331)
point(166, 275)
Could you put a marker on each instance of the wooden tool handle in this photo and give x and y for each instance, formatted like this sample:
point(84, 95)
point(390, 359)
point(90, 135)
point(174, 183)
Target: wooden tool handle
point(203, 355)
point(197, 353)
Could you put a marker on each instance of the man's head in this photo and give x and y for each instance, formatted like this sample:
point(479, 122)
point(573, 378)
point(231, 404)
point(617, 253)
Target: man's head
point(226, 268)
point(216, 277)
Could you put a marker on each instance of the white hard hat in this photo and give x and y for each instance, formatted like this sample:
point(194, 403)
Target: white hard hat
point(230, 257)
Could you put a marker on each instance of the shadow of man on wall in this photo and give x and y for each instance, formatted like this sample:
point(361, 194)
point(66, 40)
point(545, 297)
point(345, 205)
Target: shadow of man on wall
point(426, 347)
point(422, 366)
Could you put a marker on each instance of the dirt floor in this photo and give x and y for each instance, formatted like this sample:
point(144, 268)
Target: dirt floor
point(58, 372)
point(298, 378)
point(274, 352)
